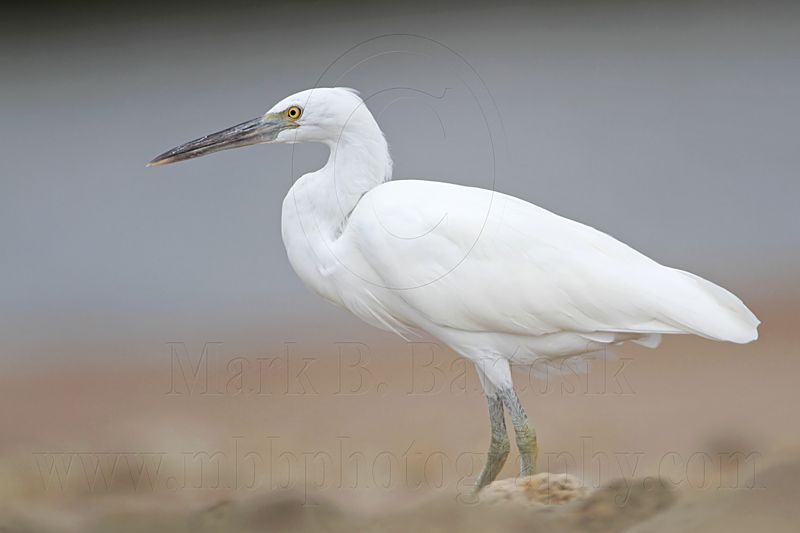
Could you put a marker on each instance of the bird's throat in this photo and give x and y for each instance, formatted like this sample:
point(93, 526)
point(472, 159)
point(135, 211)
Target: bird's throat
point(354, 167)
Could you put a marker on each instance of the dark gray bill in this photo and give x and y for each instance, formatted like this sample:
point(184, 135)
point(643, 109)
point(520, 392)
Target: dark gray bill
point(255, 131)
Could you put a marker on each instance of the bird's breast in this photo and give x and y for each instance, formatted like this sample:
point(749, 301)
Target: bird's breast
point(308, 253)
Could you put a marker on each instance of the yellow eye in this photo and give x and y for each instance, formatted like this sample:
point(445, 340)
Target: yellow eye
point(294, 112)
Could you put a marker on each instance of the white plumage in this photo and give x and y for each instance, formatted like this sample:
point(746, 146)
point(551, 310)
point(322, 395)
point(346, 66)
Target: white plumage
point(496, 278)
point(487, 273)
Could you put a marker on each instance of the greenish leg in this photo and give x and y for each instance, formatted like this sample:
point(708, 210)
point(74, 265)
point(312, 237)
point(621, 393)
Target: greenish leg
point(498, 446)
point(526, 436)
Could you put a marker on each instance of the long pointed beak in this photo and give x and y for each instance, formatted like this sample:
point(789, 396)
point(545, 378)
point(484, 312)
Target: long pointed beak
point(256, 131)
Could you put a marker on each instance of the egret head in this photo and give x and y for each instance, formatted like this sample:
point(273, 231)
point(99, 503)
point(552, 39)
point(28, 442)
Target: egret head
point(316, 115)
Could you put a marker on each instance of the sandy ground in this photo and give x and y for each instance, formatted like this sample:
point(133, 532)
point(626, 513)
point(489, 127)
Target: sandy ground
point(381, 435)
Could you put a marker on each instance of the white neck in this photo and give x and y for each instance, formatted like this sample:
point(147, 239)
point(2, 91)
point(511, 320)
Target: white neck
point(359, 160)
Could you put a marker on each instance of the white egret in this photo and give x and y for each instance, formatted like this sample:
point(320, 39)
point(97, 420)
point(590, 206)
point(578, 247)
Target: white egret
point(499, 280)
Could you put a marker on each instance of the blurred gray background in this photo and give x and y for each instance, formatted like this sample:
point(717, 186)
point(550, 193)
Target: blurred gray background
point(670, 125)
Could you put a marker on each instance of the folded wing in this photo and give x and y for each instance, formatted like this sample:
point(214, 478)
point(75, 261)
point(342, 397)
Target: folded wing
point(476, 260)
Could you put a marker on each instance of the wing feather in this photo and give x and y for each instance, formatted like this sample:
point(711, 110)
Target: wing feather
point(477, 260)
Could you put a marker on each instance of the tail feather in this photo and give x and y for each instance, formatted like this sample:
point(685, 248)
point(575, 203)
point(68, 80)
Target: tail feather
point(710, 311)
